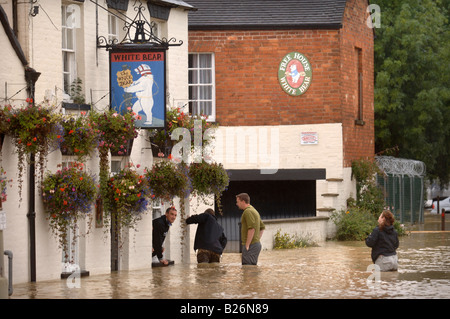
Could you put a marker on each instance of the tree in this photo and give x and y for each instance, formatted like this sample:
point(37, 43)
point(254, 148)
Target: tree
point(412, 95)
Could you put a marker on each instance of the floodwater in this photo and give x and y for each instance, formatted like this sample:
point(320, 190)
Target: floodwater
point(332, 270)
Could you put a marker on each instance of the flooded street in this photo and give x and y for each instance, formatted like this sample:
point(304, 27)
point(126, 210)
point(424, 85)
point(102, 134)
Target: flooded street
point(333, 270)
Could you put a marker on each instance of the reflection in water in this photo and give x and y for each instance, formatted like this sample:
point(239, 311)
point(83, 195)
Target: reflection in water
point(333, 270)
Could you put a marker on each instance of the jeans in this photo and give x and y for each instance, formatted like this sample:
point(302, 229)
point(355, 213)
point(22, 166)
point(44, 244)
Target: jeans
point(250, 256)
point(207, 256)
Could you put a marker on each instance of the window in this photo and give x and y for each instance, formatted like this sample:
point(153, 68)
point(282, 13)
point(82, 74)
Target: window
point(116, 166)
point(202, 85)
point(68, 46)
point(157, 208)
point(359, 119)
point(113, 28)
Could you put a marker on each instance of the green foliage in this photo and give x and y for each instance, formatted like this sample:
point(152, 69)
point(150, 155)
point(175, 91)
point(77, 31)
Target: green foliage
point(412, 72)
point(401, 230)
point(208, 179)
point(369, 196)
point(5, 118)
point(3, 185)
point(167, 180)
point(68, 195)
point(358, 221)
point(126, 197)
point(80, 137)
point(287, 241)
point(353, 224)
point(175, 119)
point(34, 131)
point(76, 91)
point(115, 129)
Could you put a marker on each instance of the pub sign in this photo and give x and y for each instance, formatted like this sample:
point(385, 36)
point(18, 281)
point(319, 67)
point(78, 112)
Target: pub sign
point(138, 83)
point(294, 74)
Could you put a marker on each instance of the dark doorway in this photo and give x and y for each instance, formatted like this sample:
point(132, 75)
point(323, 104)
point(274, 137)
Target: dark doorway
point(274, 199)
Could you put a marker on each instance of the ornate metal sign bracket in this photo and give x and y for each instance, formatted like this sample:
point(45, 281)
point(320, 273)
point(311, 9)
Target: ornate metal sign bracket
point(143, 35)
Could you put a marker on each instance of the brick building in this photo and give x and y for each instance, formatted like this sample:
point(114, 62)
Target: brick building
point(237, 49)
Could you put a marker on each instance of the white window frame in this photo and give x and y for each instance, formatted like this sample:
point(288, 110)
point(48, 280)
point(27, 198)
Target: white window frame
point(113, 28)
point(198, 86)
point(69, 51)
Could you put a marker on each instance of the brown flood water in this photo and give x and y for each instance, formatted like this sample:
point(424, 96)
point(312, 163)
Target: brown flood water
point(333, 270)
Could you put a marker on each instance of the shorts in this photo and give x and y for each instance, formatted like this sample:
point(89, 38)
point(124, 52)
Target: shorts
point(250, 256)
point(207, 256)
point(387, 263)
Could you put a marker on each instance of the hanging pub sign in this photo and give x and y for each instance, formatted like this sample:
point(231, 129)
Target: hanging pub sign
point(138, 83)
point(294, 74)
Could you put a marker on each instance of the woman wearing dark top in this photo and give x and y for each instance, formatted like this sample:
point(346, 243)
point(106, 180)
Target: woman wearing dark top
point(384, 242)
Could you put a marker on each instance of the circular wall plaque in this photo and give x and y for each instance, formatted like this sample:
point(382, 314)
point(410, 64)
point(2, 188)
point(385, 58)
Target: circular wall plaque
point(294, 74)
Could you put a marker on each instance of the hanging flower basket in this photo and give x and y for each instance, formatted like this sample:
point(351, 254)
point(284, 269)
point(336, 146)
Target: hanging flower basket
point(115, 129)
point(208, 179)
point(126, 197)
point(124, 149)
point(35, 131)
point(161, 140)
point(80, 137)
point(167, 180)
point(68, 195)
point(163, 151)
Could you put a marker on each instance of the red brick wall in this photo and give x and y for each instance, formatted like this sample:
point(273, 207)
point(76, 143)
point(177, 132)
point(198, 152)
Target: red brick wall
point(359, 141)
point(247, 87)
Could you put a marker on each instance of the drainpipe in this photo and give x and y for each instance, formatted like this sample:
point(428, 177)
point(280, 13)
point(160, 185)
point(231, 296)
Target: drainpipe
point(3, 282)
point(10, 271)
point(31, 77)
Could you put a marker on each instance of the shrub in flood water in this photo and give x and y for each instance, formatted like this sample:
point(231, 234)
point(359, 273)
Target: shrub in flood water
point(353, 224)
point(287, 241)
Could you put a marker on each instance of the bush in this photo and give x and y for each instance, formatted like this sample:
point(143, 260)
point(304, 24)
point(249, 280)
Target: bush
point(400, 228)
point(286, 241)
point(369, 195)
point(354, 224)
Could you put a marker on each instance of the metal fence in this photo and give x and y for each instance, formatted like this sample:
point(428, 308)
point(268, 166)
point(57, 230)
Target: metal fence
point(403, 185)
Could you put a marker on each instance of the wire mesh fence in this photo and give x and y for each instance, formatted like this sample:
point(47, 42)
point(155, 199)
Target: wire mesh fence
point(403, 185)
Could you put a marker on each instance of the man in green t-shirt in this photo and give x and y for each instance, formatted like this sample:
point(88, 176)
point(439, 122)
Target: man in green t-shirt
point(252, 229)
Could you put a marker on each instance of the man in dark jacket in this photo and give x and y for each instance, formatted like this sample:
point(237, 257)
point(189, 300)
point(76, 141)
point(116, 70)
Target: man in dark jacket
point(384, 242)
point(210, 240)
point(160, 228)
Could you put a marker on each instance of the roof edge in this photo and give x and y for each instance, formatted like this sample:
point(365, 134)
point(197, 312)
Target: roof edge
point(335, 26)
